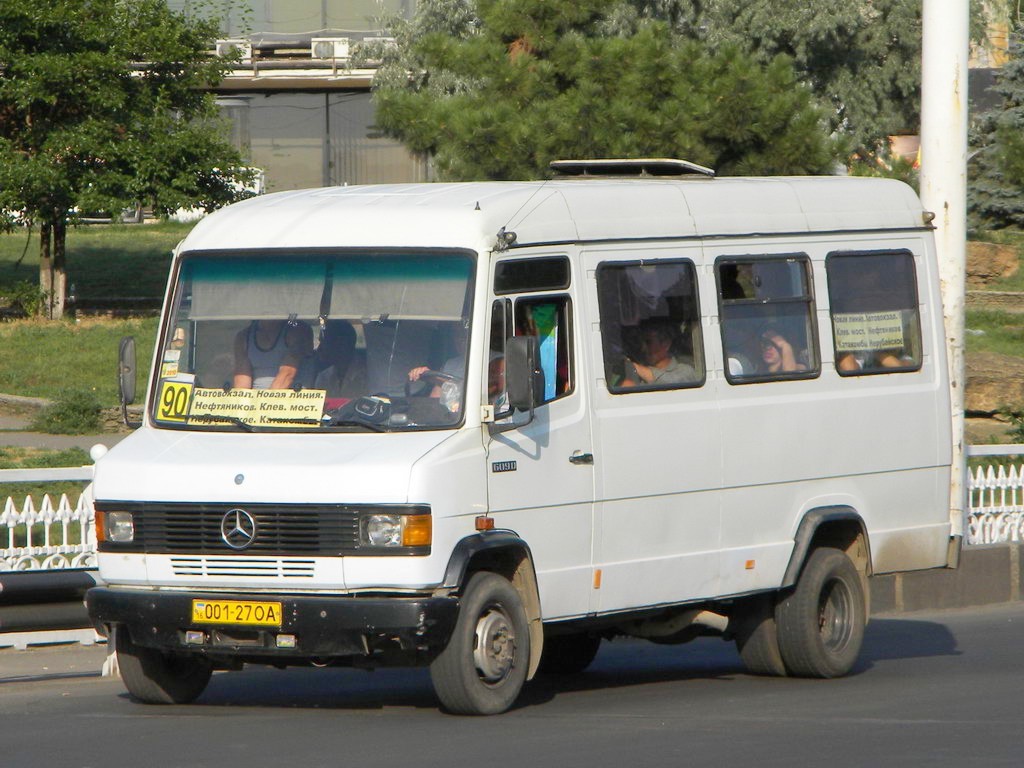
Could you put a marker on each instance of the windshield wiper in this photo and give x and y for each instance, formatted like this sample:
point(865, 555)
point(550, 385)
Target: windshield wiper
point(219, 417)
point(357, 423)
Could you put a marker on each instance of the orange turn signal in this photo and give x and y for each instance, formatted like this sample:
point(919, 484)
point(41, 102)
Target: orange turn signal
point(418, 531)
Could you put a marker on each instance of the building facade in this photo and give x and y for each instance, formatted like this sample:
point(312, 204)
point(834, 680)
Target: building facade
point(298, 110)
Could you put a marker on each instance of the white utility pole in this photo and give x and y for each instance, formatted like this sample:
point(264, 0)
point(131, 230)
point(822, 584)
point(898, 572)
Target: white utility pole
point(944, 192)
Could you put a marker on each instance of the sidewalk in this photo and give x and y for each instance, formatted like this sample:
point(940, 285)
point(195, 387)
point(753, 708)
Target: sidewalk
point(51, 661)
point(13, 433)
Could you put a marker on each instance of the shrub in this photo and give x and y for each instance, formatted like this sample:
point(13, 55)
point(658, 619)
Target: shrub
point(26, 297)
point(74, 412)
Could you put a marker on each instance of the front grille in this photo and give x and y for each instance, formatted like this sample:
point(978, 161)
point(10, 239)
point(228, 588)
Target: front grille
point(243, 567)
point(284, 530)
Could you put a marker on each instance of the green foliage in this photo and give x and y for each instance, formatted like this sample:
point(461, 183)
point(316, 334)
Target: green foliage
point(996, 166)
point(26, 298)
point(861, 62)
point(1015, 416)
point(105, 105)
point(528, 81)
point(899, 168)
point(75, 412)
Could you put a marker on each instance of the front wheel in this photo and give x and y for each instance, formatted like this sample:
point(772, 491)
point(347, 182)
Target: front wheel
point(821, 623)
point(483, 668)
point(156, 677)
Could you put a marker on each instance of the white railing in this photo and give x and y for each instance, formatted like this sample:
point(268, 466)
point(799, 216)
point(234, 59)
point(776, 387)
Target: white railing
point(44, 535)
point(995, 509)
point(67, 538)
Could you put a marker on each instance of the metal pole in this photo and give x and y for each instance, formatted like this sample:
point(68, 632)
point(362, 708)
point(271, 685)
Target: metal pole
point(944, 192)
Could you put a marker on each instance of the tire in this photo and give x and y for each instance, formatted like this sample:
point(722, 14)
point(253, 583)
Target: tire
point(757, 637)
point(483, 667)
point(156, 677)
point(568, 654)
point(821, 623)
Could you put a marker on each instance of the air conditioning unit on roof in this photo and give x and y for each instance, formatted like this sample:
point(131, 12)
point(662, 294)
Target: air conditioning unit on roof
point(228, 47)
point(329, 48)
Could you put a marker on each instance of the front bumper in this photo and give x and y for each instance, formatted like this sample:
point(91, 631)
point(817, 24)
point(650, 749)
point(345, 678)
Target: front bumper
point(415, 629)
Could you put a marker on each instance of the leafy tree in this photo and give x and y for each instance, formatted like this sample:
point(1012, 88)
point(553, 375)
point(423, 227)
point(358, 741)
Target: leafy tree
point(502, 91)
point(861, 60)
point(105, 105)
point(996, 165)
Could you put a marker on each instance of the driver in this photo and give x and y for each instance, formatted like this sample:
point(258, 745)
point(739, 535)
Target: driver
point(454, 366)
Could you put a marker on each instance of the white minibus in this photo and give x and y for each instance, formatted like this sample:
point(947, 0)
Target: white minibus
point(482, 427)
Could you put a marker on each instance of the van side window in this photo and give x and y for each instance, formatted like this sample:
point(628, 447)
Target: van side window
point(767, 314)
point(549, 319)
point(520, 275)
point(650, 326)
point(876, 325)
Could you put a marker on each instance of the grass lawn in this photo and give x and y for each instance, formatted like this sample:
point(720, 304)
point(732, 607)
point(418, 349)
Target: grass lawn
point(994, 331)
point(104, 260)
point(42, 359)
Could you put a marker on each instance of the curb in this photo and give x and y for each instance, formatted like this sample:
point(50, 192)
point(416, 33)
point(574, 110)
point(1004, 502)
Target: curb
point(35, 402)
point(987, 575)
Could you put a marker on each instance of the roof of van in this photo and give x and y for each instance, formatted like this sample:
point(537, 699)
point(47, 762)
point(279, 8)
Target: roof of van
point(469, 215)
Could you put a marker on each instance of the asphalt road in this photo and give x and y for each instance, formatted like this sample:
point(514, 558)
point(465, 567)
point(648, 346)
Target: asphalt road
point(937, 689)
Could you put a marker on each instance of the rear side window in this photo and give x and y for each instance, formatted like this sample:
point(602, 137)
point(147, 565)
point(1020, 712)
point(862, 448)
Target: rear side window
point(876, 325)
point(650, 326)
point(767, 312)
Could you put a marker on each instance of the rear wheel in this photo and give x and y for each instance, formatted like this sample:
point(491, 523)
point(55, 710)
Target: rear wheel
point(158, 677)
point(757, 637)
point(568, 654)
point(483, 668)
point(821, 623)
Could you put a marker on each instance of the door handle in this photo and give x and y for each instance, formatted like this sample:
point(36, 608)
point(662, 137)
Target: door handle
point(579, 457)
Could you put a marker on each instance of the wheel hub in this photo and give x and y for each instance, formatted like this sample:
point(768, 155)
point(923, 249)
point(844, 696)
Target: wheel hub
point(494, 649)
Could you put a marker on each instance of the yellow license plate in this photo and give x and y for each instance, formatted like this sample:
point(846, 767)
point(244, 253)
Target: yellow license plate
point(244, 612)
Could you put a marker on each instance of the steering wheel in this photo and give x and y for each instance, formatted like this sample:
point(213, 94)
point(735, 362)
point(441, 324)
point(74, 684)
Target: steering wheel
point(438, 377)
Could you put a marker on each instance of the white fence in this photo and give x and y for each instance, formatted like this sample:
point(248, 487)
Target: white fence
point(995, 509)
point(45, 536)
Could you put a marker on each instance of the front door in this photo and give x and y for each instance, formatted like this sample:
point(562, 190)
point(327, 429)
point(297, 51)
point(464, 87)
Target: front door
point(541, 473)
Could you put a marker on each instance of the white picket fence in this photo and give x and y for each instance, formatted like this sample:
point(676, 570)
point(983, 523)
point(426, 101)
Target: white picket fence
point(45, 535)
point(995, 509)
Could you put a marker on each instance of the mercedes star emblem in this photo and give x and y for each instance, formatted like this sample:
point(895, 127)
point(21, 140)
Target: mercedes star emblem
point(238, 529)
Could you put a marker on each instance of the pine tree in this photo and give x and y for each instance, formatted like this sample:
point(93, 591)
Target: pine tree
point(996, 163)
point(524, 82)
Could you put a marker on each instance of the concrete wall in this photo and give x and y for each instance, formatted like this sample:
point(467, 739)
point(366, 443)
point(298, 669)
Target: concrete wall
point(987, 574)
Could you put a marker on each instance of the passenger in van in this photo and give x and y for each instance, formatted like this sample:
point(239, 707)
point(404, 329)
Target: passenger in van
point(497, 394)
point(269, 353)
point(339, 371)
point(777, 355)
point(849, 362)
point(661, 366)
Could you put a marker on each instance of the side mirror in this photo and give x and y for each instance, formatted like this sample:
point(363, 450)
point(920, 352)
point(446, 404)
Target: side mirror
point(523, 378)
point(126, 374)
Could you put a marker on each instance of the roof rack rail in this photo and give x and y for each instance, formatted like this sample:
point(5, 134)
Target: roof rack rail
point(651, 166)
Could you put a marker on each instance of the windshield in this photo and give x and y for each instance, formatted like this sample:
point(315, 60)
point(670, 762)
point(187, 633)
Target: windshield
point(300, 340)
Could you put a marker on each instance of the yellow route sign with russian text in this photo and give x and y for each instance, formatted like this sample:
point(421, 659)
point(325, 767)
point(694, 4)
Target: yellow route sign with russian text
point(258, 407)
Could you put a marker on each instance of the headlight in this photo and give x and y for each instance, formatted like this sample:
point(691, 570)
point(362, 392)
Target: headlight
point(392, 530)
point(115, 527)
